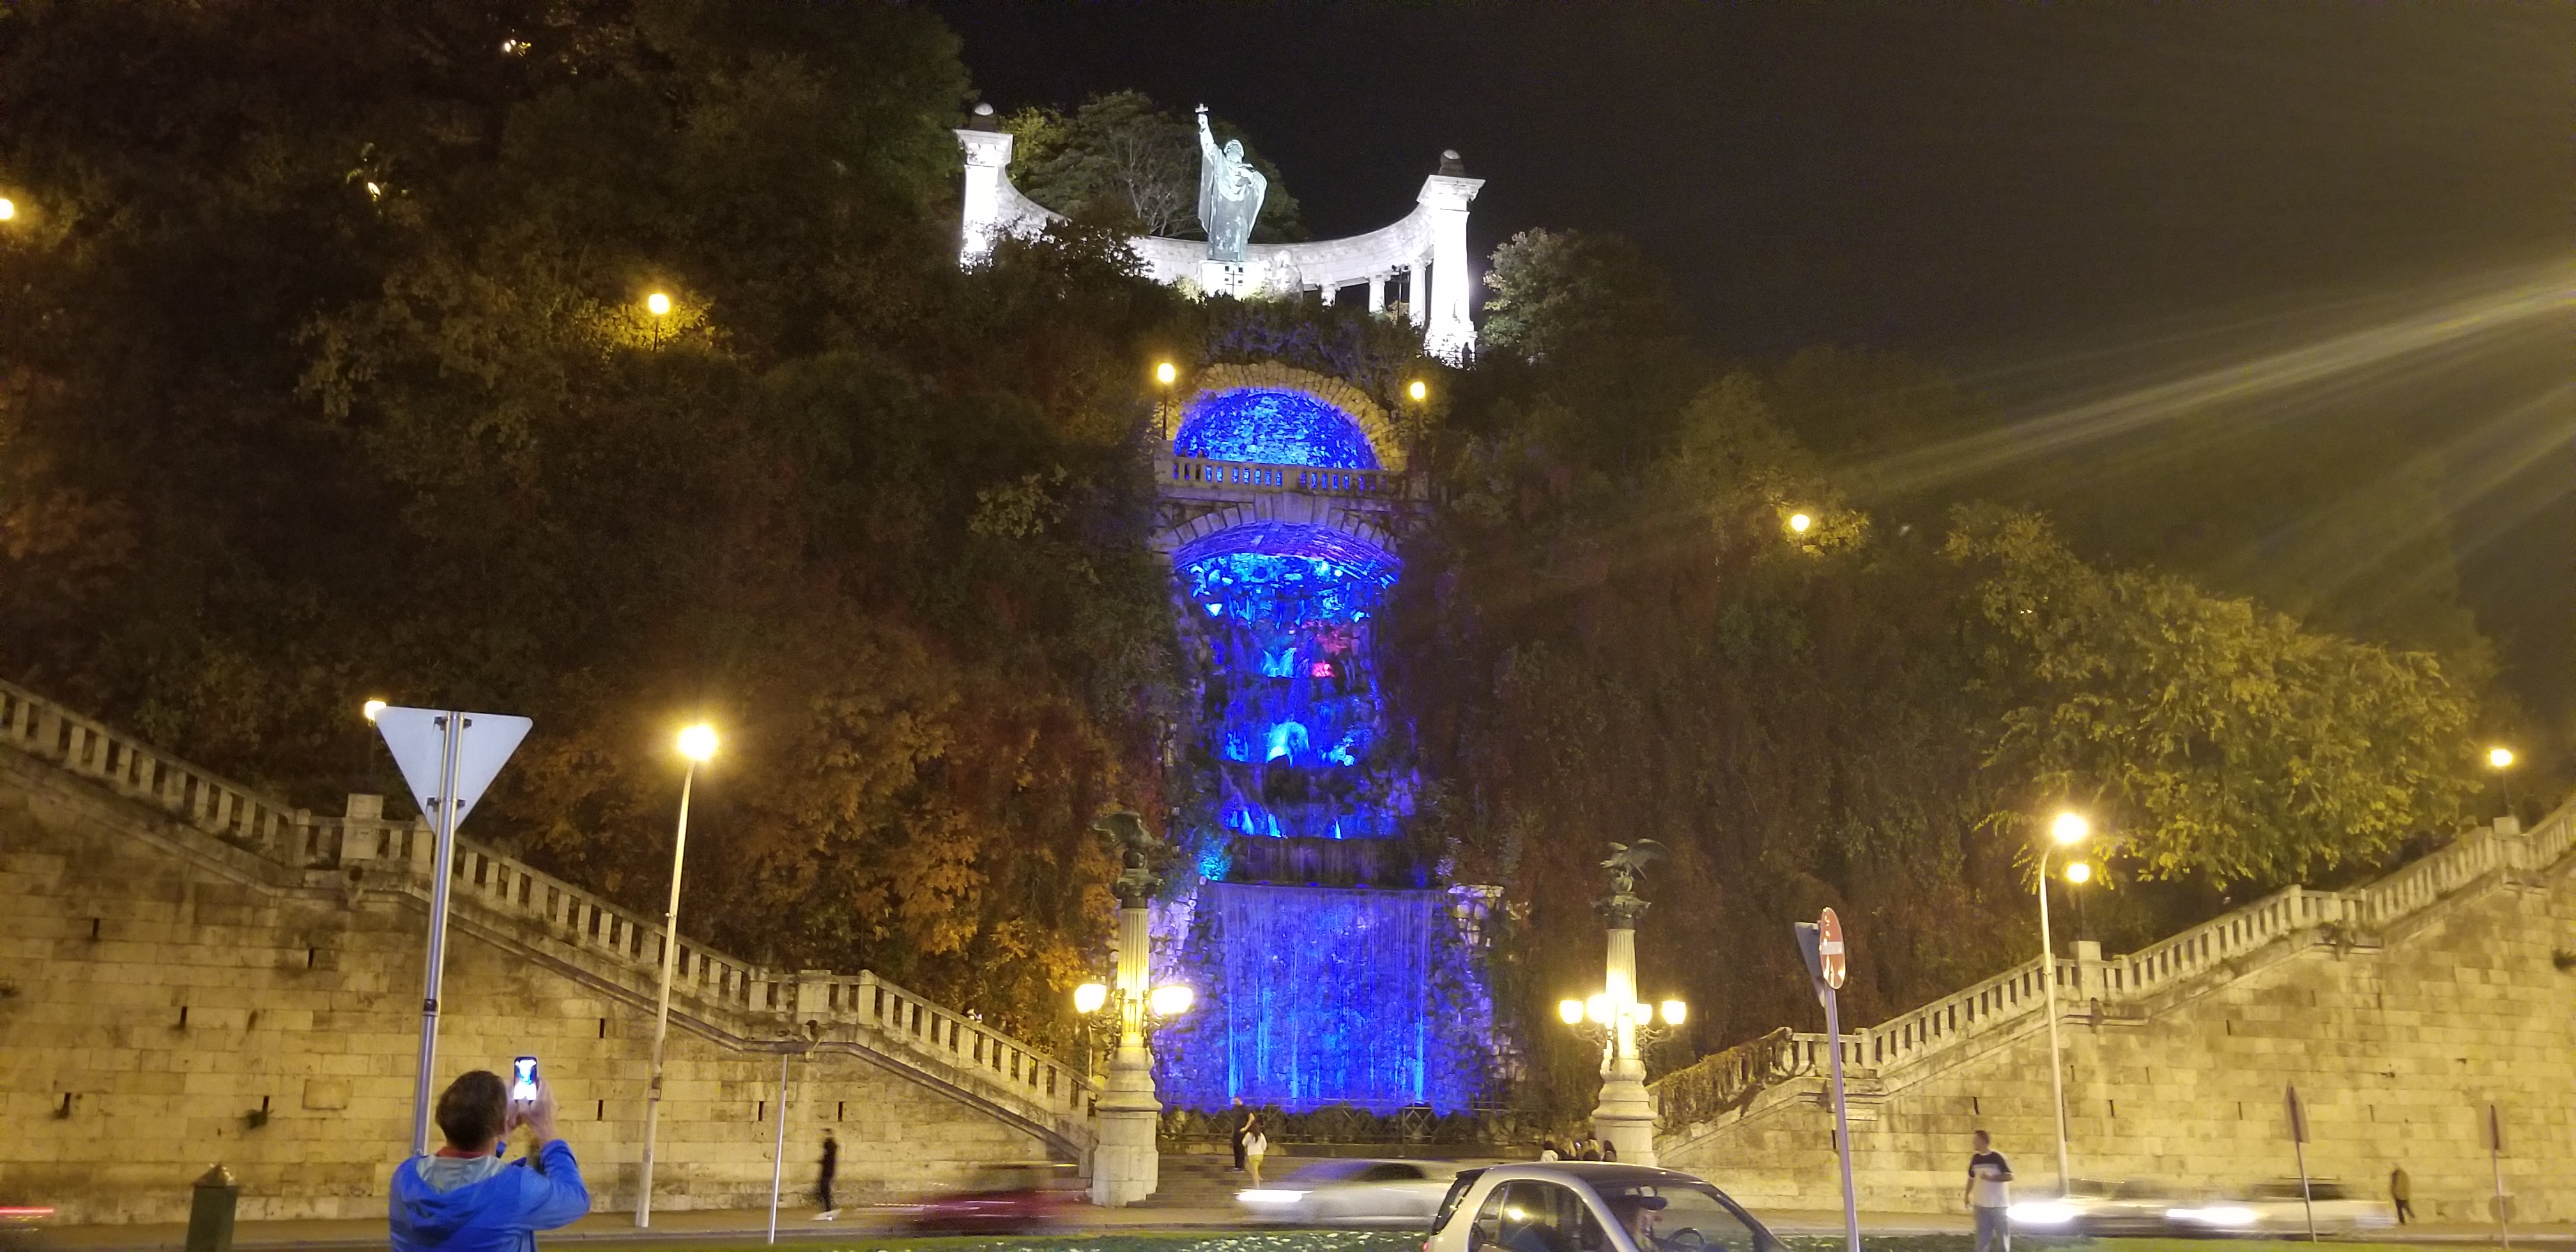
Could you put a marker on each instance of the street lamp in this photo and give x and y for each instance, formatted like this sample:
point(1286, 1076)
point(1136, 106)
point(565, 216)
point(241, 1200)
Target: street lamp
point(2500, 759)
point(1800, 523)
point(1420, 391)
point(658, 304)
point(2066, 831)
point(8, 209)
point(1166, 373)
point(371, 708)
point(698, 744)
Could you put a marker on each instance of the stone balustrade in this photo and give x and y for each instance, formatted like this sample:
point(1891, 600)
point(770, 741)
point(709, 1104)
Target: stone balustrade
point(729, 997)
point(1197, 472)
point(2088, 985)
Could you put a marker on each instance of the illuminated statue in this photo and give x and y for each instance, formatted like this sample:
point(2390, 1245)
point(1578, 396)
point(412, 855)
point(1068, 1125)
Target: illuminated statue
point(1230, 193)
point(1625, 863)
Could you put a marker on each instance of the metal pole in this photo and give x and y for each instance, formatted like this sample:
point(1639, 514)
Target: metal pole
point(1842, 1118)
point(662, 1008)
point(2056, 1062)
point(443, 821)
point(778, 1154)
point(2307, 1198)
point(2495, 1159)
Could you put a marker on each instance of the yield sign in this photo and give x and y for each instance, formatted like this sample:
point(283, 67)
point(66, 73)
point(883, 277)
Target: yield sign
point(418, 739)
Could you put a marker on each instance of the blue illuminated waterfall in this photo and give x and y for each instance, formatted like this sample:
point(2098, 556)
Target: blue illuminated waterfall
point(1331, 970)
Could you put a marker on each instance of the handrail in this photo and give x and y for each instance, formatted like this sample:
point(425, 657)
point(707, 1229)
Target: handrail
point(543, 910)
point(1718, 1083)
point(1209, 472)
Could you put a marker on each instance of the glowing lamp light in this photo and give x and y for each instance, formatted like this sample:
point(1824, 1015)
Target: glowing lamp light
point(8, 208)
point(1088, 997)
point(1800, 523)
point(1598, 1008)
point(2069, 829)
point(1570, 1012)
point(1674, 1012)
point(698, 742)
point(1420, 391)
point(1166, 372)
point(373, 707)
point(1171, 1000)
point(2079, 873)
point(2043, 1213)
point(2500, 758)
point(657, 304)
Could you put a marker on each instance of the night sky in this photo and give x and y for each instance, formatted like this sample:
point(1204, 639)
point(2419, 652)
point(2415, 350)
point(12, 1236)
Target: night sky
point(2054, 204)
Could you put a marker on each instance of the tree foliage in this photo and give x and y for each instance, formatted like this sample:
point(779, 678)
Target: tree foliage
point(1122, 161)
point(334, 381)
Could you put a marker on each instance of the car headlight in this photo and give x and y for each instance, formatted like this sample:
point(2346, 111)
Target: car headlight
point(1266, 1196)
point(2043, 1213)
point(2215, 1215)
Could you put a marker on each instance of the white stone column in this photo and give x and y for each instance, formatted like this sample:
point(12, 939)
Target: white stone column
point(988, 155)
point(1377, 293)
point(1625, 1115)
point(1417, 292)
point(1449, 331)
point(1126, 1166)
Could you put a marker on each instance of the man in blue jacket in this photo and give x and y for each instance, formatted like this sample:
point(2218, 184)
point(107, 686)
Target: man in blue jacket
point(463, 1198)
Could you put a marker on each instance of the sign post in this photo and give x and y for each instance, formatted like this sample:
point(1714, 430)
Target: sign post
point(1821, 942)
point(449, 758)
point(2299, 1145)
point(2495, 1159)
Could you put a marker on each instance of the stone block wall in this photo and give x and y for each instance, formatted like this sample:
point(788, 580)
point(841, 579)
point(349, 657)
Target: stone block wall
point(168, 1001)
point(2397, 1040)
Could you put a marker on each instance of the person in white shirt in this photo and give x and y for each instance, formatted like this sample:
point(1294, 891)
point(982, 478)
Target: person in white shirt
point(1989, 1193)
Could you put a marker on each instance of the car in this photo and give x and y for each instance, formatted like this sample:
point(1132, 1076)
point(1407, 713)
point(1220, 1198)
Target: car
point(20, 1224)
point(2094, 1207)
point(1589, 1206)
point(1352, 1192)
point(1005, 1200)
point(2280, 1208)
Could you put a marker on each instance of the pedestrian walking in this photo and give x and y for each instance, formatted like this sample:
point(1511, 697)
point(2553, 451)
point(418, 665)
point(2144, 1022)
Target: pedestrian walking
point(1256, 1145)
point(2401, 1192)
point(1609, 1150)
point(825, 1210)
point(464, 1197)
point(1242, 1127)
point(1989, 1193)
point(1547, 1149)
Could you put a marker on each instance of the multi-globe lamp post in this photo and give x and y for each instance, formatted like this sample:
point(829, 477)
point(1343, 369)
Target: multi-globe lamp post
point(1125, 1166)
point(2067, 830)
point(698, 745)
point(1624, 1025)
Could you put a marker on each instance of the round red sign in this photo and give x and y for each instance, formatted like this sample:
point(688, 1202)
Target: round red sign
point(1829, 948)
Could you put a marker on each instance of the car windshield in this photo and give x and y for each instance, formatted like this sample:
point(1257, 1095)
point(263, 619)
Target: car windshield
point(1681, 1217)
point(1458, 1189)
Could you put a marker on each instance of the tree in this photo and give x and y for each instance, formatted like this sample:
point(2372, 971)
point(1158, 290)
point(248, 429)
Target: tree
point(2219, 738)
point(1121, 160)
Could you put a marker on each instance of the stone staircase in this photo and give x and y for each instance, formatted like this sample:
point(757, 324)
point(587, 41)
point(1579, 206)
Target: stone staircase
point(544, 920)
point(1195, 1181)
point(2133, 989)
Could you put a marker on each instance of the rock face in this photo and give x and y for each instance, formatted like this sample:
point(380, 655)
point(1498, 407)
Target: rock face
point(2400, 1010)
point(191, 974)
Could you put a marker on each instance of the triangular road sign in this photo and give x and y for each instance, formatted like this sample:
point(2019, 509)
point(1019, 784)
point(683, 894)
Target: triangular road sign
point(417, 738)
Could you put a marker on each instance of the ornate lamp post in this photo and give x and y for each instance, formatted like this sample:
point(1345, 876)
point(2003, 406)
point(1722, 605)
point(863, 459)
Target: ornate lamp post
point(1624, 1117)
point(1125, 1166)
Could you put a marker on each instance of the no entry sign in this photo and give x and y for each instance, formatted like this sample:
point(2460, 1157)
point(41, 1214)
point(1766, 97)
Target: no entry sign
point(1829, 949)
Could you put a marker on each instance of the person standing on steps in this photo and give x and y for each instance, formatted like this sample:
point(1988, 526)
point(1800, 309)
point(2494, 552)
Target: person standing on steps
point(2401, 1192)
point(825, 1211)
point(1242, 1127)
point(1989, 1193)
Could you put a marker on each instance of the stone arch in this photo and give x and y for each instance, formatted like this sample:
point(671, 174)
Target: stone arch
point(1270, 375)
point(1283, 509)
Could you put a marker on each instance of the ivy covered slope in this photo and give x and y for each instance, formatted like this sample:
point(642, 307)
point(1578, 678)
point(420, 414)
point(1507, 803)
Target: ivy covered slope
point(329, 375)
point(1613, 630)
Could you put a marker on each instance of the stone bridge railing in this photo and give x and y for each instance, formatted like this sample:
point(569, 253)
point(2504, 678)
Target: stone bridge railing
point(1889, 1052)
point(1185, 472)
point(731, 1000)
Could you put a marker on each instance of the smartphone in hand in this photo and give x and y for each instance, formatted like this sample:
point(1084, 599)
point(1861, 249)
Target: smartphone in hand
point(523, 1080)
